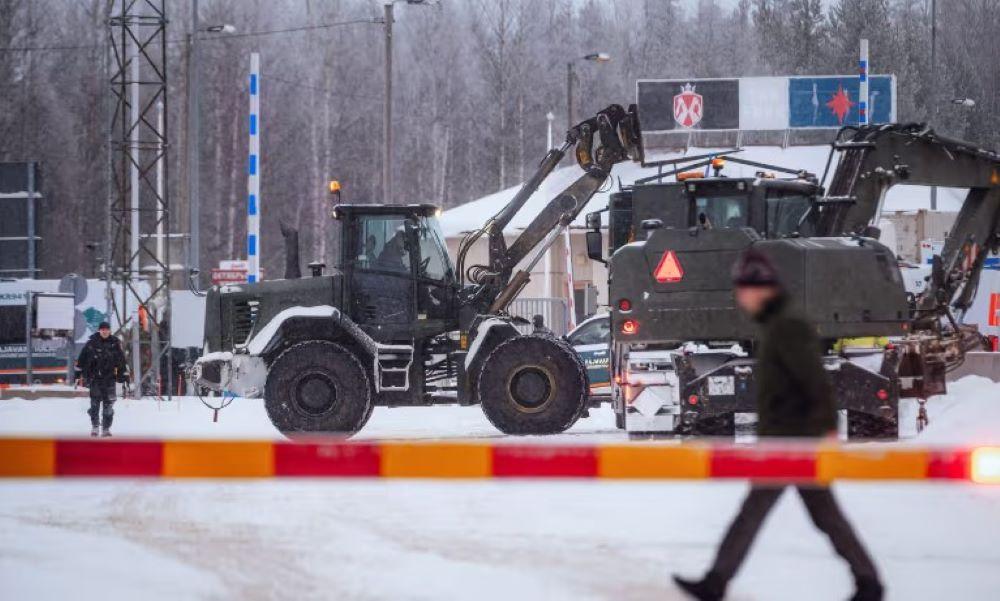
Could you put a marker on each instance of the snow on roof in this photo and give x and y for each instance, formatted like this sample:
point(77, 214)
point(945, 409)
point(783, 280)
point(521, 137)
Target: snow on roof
point(472, 215)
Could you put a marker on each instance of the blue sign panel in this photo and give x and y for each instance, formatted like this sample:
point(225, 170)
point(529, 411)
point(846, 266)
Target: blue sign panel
point(833, 101)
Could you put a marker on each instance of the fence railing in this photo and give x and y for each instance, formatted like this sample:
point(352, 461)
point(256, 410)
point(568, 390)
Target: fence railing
point(552, 310)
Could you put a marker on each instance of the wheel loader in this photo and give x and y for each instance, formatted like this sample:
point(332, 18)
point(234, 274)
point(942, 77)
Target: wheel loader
point(397, 324)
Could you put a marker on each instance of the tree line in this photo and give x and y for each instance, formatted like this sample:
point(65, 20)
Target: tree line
point(473, 82)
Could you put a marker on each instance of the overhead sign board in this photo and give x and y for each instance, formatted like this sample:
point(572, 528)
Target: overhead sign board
point(760, 103)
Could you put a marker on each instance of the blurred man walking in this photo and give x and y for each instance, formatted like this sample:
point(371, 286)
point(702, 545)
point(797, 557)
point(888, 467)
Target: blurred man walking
point(101, 364)
point(794, 399)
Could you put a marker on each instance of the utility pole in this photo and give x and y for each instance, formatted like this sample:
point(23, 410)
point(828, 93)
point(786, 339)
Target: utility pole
point(934, 104)
point(387, 108)
point(193, 144)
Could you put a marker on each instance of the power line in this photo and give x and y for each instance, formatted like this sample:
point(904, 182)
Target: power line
point(219, 38)
point(265, 77)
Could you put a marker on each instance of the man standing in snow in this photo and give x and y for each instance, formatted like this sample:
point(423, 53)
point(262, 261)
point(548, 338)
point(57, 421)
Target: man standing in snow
point(794, 399)
point(101, 364)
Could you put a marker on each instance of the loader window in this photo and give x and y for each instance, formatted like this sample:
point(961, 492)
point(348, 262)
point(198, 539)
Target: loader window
point(788, 215)
point(713, 212)
point(434, 262)
point(382, 245)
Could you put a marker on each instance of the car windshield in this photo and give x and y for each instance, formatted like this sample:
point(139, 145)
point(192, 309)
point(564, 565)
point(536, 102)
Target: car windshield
point(713, 212)
point(788, 215)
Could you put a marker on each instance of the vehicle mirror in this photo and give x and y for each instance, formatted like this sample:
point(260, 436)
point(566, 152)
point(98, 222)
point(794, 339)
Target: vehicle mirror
point(595, 245)
point(594, 220)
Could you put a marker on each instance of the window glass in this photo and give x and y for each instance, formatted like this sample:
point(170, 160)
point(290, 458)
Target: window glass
point(434, 262)
point(382, 244)
point(787, 215)
point(595, 332)
point(721, 211)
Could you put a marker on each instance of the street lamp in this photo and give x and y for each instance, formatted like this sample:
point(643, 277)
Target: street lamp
point(194, 135)
point(596, 57)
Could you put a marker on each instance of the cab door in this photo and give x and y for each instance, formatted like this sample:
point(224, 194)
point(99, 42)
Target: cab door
point(435, 279)
point(380, 258)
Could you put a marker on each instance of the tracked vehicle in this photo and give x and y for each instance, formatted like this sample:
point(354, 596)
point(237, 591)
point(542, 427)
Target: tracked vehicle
point(673, 244)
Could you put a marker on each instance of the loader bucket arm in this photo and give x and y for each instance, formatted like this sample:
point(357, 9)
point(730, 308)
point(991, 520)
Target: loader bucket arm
point(610, 137)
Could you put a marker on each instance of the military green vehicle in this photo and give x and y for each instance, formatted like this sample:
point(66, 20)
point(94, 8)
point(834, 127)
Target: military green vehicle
point(396, 324)
point(673, 244)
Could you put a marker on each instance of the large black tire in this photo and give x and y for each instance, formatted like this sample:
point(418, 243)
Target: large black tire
point(533, 385)
point(317, 387)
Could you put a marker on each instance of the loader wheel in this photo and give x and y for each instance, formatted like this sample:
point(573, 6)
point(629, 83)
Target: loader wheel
point(861, 426)
point(533, 385)
point(317, 387)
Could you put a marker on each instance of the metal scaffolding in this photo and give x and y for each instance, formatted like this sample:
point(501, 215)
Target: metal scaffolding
point(138, 234)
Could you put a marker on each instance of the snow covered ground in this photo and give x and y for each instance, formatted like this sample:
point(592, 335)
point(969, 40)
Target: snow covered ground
point(312, 539)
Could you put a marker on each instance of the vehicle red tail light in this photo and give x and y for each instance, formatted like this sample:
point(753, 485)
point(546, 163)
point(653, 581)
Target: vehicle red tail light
point(669, 268)
point(624, 305)
point(630, 326)
point(882, 394)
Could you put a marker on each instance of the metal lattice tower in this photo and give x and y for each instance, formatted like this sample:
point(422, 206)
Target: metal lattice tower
point(137, 246)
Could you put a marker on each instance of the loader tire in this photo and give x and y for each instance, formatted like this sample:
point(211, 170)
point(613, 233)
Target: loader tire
point(317, 387)
point(533, 385)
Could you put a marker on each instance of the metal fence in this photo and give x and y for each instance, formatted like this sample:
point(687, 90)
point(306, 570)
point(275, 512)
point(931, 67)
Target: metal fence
point(552, 310)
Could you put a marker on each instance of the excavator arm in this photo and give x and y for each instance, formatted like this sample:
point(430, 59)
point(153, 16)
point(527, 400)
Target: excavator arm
point(610, 137)
point(875, 158)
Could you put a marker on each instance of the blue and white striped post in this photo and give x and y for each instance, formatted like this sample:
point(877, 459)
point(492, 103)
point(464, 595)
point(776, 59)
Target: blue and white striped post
point(863, 84)
point(253, 174)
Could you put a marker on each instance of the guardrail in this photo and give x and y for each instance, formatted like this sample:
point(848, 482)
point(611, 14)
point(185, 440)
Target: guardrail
point(781, 462)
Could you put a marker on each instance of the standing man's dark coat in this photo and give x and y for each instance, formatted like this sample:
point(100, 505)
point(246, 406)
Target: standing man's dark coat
point(101, 364)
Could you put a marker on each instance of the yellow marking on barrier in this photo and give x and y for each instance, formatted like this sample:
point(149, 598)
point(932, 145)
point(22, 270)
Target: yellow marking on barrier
point(414, 460)
point(217, 459)
point(838, 463)
point(27, 458)
point(652, 462)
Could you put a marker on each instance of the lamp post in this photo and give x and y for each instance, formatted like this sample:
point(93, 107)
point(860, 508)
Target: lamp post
point(387, 20)
point(597, 57)
point(194, 133)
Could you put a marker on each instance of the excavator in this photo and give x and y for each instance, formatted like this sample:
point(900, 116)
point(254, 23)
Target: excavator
point(673, 244)
point(396, 324)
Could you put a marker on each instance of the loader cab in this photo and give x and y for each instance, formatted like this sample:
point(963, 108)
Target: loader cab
point(399, 281)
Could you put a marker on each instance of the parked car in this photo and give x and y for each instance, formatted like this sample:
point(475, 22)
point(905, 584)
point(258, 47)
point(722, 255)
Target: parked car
point(591, 341)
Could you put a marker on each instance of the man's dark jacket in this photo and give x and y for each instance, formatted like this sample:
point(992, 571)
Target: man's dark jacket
point(794, 397)
point(102, 361)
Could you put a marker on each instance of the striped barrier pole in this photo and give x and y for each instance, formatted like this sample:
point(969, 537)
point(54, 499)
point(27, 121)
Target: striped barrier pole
point(863, 84)
point(253, 174)
point(816, 463)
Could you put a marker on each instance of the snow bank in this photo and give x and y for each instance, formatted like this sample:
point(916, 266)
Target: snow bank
point(968, 415)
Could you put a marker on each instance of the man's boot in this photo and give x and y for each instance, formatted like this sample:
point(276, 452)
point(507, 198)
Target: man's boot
point(868, 590)
point(709, 588)
point(105, 433)
point(94, 431)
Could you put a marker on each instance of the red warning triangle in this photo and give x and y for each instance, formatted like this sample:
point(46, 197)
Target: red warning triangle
point(669, 269)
